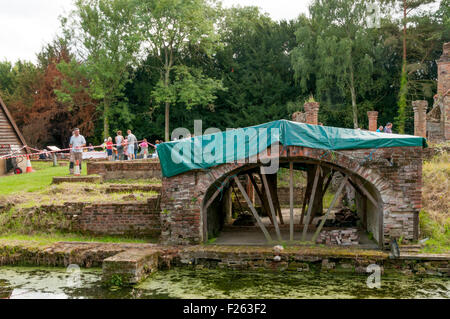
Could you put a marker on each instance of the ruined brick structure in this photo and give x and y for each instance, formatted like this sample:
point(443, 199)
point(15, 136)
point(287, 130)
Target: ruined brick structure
point(437, 121)
point(310, 116)
point(393, 176)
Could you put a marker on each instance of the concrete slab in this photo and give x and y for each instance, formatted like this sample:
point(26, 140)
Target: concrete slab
point(130, 267)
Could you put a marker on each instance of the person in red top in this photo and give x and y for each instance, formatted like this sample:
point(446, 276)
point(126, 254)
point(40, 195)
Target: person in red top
point(109, 148)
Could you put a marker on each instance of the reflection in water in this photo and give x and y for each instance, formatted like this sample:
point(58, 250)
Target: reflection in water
point(46, 283)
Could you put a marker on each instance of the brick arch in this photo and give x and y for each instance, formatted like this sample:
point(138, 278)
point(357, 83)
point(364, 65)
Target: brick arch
point(392, 174)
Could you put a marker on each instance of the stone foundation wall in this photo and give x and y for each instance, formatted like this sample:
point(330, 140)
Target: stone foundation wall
point(139, 169)
point(298, 259)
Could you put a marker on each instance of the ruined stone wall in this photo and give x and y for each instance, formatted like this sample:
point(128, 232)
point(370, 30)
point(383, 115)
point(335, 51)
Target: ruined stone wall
point(140, 169)
point(394, 173)
point(124, 218)
point(438, 119)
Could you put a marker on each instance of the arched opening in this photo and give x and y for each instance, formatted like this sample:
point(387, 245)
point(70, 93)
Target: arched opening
point(245, 207)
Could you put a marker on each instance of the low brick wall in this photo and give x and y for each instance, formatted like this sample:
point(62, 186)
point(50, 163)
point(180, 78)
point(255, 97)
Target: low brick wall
point(137, 219)
point(120, 219)
point(140, 169)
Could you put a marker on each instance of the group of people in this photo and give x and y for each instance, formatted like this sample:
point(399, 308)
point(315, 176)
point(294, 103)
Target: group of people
point(386, 129)
point(122, 148)
point(126, 147)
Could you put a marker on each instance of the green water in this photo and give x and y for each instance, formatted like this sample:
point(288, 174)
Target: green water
point(23, 283)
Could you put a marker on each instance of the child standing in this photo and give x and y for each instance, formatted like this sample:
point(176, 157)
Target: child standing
point(144, 148)
point(109, 148)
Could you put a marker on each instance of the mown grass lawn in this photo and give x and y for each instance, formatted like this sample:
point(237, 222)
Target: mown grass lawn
point(31, 182)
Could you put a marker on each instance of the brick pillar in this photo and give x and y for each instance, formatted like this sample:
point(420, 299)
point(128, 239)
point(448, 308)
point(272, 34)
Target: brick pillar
point(446, 117)
point(373, 118)
point(420, 117)
point(444, 70)
point(312, 112)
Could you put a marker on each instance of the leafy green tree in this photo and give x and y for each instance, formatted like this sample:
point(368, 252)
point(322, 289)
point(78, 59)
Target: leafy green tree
point(407, 7)
point(334, 51)
point(106, 35)
point(171, 28)
point(256, 68)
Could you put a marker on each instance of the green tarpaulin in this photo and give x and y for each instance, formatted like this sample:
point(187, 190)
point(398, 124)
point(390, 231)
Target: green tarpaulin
point(202, 152)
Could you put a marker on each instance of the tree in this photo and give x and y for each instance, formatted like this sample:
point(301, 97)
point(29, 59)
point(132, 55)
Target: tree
point(106, 35)
point(171, 28)
point(407, 7)
point(256, 68)
point(334, 51)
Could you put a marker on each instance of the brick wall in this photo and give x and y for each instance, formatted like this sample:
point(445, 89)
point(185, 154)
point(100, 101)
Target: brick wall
point(124, 218)
point(284, 193)
point(140, 169)
point(134, 219)
point(394, 176)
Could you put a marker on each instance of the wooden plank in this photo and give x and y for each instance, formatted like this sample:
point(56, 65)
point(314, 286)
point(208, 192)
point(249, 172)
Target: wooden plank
point(262, 199)
point(272, 209)
point(291, 201)
point(311, 201)
point(254, 212)
point(305, 200)
point(338, 192)
point(327, 184)
point(237, 198)
point(364, 191)
point(216, 193)
point(274, 189)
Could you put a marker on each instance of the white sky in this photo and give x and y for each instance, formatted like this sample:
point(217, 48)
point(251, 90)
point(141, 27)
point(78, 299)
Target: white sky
point(27, 25)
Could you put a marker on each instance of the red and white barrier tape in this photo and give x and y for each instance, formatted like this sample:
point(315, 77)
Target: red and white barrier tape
point(59, 151)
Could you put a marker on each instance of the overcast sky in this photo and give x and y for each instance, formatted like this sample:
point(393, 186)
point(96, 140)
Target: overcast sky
point(27, 25)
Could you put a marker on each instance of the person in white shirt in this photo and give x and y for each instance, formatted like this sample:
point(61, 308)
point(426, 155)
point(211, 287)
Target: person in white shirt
point(131, 141)
point(77, 142)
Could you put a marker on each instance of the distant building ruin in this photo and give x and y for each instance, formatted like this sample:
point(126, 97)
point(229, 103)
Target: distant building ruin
point(435, 125)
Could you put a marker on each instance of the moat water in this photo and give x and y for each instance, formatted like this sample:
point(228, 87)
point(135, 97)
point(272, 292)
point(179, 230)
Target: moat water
point(60, 283)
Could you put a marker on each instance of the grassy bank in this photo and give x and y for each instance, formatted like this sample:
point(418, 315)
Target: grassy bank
point(31, 182)
point(435, 216)
point(54, 237)
point(27, 192)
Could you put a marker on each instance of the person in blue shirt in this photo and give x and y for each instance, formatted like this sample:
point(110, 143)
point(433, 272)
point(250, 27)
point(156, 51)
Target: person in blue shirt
point(380, 129)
